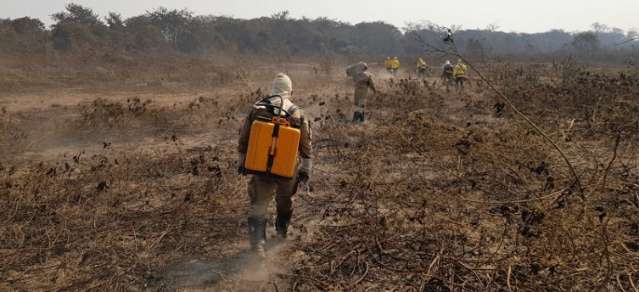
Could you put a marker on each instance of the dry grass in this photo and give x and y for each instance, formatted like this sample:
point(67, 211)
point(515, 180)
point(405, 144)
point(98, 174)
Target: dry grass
point(434, 193)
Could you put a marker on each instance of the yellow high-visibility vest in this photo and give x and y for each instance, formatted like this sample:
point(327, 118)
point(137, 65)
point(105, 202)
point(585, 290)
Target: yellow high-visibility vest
point(460, 70)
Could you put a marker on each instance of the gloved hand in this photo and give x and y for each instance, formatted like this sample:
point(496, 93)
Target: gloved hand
point(304, 174)
point(302, 177)
point(241, 170)
point(240, 164)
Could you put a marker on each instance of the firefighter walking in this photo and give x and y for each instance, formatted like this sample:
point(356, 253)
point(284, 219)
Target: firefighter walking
point(363, 82)
point(421, 68)
point(274, 146)
point(388, 64)
point(448, 75)
point(460, 75)
point(395, 65)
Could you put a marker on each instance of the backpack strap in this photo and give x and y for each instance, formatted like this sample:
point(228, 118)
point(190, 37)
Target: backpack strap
point(266, 102)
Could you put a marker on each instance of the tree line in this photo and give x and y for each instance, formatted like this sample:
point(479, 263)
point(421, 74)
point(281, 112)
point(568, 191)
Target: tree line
point(164, 30)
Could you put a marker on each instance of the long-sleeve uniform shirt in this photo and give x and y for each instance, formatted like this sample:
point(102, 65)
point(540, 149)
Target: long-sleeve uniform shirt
point(363, 82)
point(262, 188)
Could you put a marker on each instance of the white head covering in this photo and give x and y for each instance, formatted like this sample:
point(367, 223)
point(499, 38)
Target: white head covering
point(447, 62)
point(356, 69)
point(282, 86)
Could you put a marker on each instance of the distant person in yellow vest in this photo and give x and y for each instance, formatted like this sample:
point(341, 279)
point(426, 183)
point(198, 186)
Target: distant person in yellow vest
point(388, 64)
point(395, 65)
point(421, 68)
point(263, 187)
point(460, 75)
point(363, 82)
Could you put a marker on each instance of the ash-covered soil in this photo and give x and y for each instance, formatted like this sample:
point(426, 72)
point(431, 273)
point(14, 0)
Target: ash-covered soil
point(137, 190)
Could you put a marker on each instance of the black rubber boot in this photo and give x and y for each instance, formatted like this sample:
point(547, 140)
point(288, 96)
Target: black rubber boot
point(281, 225)
point(358, 117)
point(257, 235)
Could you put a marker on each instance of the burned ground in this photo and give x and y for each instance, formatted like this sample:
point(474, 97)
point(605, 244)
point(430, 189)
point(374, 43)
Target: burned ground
point(436, 192)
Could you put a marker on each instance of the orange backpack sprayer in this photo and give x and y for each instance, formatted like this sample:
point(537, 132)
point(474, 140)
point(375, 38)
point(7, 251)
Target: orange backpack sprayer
point(273, 144)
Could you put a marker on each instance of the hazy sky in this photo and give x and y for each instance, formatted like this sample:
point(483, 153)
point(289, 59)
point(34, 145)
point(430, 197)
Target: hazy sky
point(509, 15)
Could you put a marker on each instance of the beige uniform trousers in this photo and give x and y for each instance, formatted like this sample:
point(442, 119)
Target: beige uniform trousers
point(262, 189)
point(361, 93)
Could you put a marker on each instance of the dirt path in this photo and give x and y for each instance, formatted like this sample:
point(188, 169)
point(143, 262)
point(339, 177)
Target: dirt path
point(216, 267)
point(242, 272)
point(106, 192)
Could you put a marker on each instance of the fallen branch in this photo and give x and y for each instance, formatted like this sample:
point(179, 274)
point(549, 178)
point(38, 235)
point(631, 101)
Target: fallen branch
point(516, 201)
point(614, 157)
point(510, 272)
point(360, 278)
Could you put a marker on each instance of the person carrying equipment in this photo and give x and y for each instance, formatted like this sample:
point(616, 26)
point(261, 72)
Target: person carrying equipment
point(275, 146)
point(388, 64)
point(395, 65)
point(460, 75)
point(421, 68)
point(363, 81)
point(448, 75)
